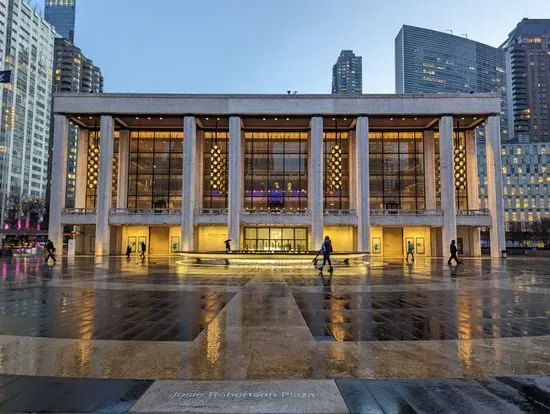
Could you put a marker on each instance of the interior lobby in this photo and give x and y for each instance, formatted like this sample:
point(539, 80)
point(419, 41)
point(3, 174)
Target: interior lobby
point(184, 173)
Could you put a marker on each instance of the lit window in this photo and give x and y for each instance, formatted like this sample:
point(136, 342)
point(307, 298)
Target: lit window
point(504, 170)
point(514, 216)
point(518, 151)
point(530, 216)
point(520, 170)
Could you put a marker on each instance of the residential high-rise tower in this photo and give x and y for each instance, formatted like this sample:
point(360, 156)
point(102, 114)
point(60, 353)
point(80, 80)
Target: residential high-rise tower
point(26, 50)
point(528, 65)
point(74, 72)
point(61, 15)
point(347, 74)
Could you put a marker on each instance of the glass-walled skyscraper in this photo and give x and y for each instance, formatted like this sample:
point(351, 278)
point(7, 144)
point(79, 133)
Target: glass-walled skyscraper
point(428, 61)
point(61, 15)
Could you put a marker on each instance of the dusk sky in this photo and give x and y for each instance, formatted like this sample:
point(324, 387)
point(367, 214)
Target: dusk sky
point(269, 46)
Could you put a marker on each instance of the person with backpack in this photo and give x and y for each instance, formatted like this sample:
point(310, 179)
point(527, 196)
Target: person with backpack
point(50, 249)
point(326, 250)
point(410, 251)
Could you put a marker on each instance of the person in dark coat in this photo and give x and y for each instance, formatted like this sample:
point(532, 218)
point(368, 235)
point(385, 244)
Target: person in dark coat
point(453, 250)
point(50, 249)
point(326, 250)
point(128, 251)
point(227, 245)
point(143, 249)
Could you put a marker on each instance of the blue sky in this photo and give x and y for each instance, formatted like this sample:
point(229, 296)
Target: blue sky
point(269, 46)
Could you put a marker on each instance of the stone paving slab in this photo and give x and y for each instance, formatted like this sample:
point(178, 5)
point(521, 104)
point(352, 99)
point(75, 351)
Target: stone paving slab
point(309, 396)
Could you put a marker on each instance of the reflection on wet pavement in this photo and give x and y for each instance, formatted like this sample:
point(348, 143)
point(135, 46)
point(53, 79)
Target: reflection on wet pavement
point(165, 319)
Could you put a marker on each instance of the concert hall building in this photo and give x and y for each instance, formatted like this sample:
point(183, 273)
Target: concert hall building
point(277, 172)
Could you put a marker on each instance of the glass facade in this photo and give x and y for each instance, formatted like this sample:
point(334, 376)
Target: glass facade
point(275, 170)
point(61, 15)
point(275, 238)
point(215, 162)
point(336, 170)
point(155, 169)
point(396, 170)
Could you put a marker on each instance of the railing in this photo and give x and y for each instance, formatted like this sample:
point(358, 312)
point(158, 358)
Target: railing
point(277, 211)
point(477, 213)
point(385, 212)
point(211, 211)
point(146, 211)
point(79, 211)
point(336, 212)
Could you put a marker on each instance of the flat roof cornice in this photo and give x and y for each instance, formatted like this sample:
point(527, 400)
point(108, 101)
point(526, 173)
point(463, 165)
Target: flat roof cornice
point(284, 104)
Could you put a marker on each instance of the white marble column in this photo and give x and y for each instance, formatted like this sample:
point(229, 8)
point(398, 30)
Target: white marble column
point(495, 200)
point(429, 169)
point(199, 168)
point(58, 180)
point(235, 174)
point(315, 181)
point(123, 160)
point(473, 188)
point(105, 186)
point(362, 184)
point(81, 168)
point(188, 183)
point(448, 191)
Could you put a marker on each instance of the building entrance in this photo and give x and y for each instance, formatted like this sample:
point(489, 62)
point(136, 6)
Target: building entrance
point(159, 240)
point(275, 239)
point(393, 241)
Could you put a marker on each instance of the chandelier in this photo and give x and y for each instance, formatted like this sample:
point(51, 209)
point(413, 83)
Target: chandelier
point(93, 160)
point(335, 164)
point(217, 165)
point(460, 162)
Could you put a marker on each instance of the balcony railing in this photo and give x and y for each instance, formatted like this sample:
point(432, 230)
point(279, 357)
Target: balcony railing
point(337, 212)
point(146, 211)
point(277, 211)
point(385, 212)
point(79, 211)
point(211, 211)
point(477, 213)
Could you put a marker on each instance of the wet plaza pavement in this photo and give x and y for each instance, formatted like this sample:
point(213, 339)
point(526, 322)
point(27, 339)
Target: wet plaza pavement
point(118, 335)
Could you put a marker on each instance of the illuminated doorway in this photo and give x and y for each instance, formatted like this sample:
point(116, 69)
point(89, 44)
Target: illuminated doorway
point(291, 239)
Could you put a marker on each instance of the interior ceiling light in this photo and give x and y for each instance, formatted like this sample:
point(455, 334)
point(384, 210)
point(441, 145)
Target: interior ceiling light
point(335, 163)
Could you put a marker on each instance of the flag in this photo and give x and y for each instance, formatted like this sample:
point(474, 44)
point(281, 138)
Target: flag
point(5, 76)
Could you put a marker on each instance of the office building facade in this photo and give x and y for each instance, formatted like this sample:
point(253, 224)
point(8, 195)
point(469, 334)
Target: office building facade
point(528, 66)
point(277, 172)
point(347, 74)
point(61, 15)
point(74, 72)
point(526, 178)
point(26, 48)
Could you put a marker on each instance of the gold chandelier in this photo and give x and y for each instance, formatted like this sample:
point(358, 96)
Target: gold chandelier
point(93, 161)
point(460, 163)
point(335, 164)
point(217, 165)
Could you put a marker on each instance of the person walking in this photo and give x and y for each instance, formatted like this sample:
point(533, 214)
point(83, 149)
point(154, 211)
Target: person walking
point(50, 249)
point(326, 250)
point(453, 251)
point(228, 246)
point(128, 250)
point(410, 251)
point(143, 249)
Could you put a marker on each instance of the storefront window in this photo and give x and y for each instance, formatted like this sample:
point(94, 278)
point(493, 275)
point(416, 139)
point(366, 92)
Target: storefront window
point(155, 169)
point(275, 170)
point(396, 170)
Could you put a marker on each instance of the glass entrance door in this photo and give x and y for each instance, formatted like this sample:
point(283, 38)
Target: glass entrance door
point(290, 239)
